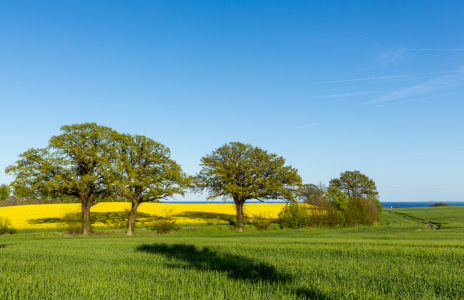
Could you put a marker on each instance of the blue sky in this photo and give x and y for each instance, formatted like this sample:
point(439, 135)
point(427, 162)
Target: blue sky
point(331, 86)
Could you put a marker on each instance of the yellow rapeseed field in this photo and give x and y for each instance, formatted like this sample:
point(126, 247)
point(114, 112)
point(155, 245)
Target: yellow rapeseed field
point(111, 214)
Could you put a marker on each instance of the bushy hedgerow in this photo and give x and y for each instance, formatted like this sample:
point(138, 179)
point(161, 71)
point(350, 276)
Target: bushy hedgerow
point(166, 222)
point(354, 211)
point(294, 215)
point(5, 226)
point(262, 221)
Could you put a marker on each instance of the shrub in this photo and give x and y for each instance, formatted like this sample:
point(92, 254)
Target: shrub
point(328, 216)
point(294, 215)
point(334, 217)
point(375, 199)
point(356, 212)
point(4, 191)
point(372, 210)
point(5, 226)
point(72, 222)
point(262, 221)
point(165, 222)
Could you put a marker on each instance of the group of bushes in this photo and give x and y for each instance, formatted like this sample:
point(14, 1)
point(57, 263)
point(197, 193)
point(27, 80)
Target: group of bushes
point(356, 211)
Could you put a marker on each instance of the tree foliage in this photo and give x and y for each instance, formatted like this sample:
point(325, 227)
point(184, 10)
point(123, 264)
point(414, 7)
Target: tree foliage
point(336, 197)
point(4, 191)
point(78, 162)
point(242, 172)
point(354, 184)
point(294, 215)
point(147, 173)
point(356, 212)
point(313, 194)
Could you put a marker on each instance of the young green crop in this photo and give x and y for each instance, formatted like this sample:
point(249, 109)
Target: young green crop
point(383, 262)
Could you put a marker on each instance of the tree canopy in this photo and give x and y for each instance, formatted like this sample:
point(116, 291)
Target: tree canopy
point(354, 184)
point(147, 173)
point(78, 162)
point(336, 197)
point(242, 172)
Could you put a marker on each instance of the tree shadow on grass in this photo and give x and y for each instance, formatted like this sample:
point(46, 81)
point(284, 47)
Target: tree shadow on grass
point(207, 216)
point(114, 218)
point(236, 267)
point(45, 220)
point(120, 218)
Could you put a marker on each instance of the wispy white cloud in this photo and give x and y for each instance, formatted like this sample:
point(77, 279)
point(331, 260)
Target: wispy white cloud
point(392, 56)
point(361, 79)
point(414, 99)
point(388, 77)
point(458, 49)
point(439, 83)
point(342, 95)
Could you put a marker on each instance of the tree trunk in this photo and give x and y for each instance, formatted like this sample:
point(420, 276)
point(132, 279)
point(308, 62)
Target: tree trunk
point(239, 207)
point(86, 217)
point(132, 216)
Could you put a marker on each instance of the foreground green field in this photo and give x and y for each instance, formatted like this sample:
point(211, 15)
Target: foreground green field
point(396, 261)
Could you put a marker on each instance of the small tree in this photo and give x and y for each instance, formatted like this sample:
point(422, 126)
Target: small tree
point(313, 194)
point(147, 173)
point(4, 191)
point(336, 198)
point(79, 162)
point(354, 184)
point(242, 172)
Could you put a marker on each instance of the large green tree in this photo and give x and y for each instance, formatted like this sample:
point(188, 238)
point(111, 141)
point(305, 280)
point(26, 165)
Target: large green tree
point(242, 172)
point(79, 162)
point(354, 184)
point(147, 173)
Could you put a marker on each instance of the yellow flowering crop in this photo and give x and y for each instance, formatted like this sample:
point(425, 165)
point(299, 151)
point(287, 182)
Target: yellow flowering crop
point(111, 214)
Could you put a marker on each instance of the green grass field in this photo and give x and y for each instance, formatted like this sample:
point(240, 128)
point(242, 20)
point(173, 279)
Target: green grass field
point(395, 261)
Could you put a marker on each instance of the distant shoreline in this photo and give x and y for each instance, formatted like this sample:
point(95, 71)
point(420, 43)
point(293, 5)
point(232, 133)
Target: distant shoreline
point(384, 204)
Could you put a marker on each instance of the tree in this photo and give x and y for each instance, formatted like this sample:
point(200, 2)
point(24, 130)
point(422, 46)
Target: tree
point(79, 162)
point(147, 173)
point(336, 198)
point(242, 172)
point(4, 191)
point(313, 194)
point(354, 184)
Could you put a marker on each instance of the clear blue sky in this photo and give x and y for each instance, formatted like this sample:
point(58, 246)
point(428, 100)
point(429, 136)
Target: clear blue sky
point(375, 86)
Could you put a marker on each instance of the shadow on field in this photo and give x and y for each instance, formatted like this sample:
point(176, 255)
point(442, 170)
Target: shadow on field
point(114, 218)
point(237, 267)
point(44, 220)
point(207, 216)
point(2, 246)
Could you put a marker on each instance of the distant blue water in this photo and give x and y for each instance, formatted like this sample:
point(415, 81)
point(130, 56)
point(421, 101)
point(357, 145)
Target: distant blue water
point(218, 202)
point(417, 204)
point(384, 204)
